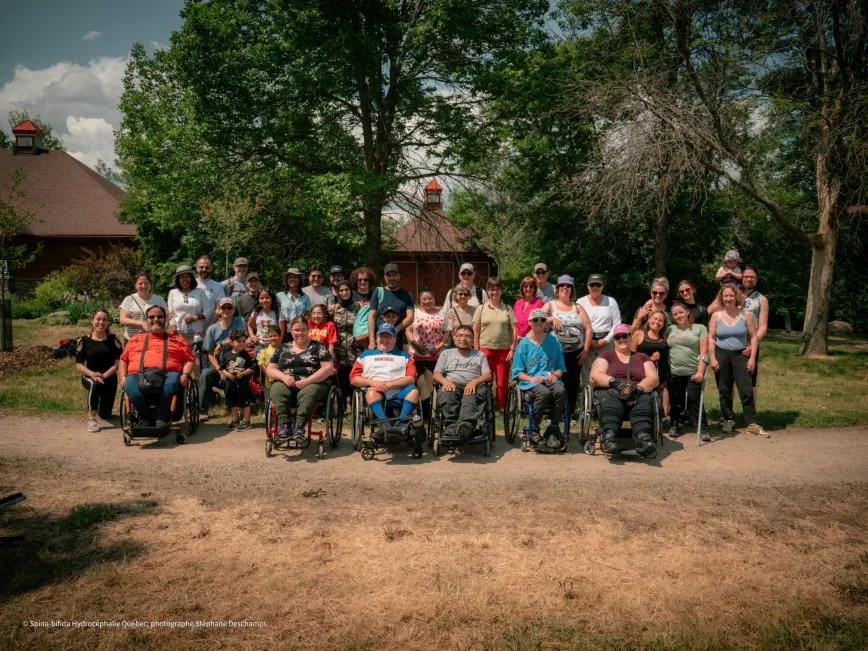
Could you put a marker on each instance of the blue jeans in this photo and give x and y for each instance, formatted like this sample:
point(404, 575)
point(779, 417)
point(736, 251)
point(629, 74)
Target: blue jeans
point(171, 387)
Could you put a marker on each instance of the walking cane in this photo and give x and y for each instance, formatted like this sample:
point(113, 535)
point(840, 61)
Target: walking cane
point(701, 407)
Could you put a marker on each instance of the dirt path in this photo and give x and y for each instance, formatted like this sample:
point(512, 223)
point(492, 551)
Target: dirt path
point(718, 544)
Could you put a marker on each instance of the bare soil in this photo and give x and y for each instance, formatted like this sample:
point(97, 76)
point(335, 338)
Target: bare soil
point(710, 545)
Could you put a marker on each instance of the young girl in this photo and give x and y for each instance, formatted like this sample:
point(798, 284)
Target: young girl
point(321, 329)
point(728, 274)
point(652, 340)
point(264, 315)
point(96, 358)
point(236, 369)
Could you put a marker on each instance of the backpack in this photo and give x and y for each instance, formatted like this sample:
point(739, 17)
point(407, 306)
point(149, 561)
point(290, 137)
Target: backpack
point(65, 348)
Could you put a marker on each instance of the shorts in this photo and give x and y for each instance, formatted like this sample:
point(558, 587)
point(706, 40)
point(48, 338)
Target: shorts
point(400, 394)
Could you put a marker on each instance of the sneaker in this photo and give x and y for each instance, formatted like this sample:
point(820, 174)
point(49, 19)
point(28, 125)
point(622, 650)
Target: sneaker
point(299, 432)
point(283, 431)
point(673, 431)
point(464, 430)
point(705, 436)
point(666, 424)
point(92, 425)
point(728, 426)
point(379, 435)
point(756, 428)
point(243, 425)
point(233, 424)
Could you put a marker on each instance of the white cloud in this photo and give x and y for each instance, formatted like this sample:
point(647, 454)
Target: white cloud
point(91, 35)
point(83, 100)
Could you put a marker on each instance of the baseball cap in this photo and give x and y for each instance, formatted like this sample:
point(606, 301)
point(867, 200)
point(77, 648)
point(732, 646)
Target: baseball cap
point(389, 308)
point(566, 279)
point(538, 314)
point(336, 269)
point(223, 301)
point(466, 267)
point(540, 265)
point(391, 267)
point(239, 261)
point(386, 329)
point(621, 329)
point(254, 274)
point(596, 278)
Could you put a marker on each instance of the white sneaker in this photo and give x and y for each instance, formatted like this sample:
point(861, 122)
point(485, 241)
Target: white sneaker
point(92, 425)
point(728, 426)
point(757, 429)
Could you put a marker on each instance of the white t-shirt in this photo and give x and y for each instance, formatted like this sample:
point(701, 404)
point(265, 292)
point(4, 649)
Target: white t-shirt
point(604, 317)
point(194, 303)
point(214, 291)
point(263, 320)
point(323, 296)
point(135, 307)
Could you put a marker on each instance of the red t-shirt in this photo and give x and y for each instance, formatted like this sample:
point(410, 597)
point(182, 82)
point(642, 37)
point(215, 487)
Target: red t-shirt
point(618, 369)
point(179, 352)
point(325, 334)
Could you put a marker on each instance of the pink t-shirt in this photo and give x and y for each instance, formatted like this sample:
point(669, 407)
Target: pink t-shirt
point(428, 331)
point(522, 309)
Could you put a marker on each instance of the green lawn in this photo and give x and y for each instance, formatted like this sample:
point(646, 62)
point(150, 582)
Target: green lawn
point(793, 391)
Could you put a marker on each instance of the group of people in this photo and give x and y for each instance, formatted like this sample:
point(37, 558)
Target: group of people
point(359, 332)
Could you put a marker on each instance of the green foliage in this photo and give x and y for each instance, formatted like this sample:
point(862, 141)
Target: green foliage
point(14, 221)
point(55, 292)
point(106, 274)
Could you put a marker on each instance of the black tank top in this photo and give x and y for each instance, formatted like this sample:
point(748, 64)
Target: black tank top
point(651, 346)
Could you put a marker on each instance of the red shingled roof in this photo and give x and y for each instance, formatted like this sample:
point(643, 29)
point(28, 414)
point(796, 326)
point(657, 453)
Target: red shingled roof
point(68, 198)
point(434, 186)
point(431, 232)
point(27, 127)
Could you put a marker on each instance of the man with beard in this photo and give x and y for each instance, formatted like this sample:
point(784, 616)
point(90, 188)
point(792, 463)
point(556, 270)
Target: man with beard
point(758, 305)
point(211, 287)
point(390, 296)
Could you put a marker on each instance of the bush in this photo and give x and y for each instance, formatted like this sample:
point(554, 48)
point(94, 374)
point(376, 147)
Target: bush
point(26, 309)
point(53, 293)
point(83, 310)
point(106, 273)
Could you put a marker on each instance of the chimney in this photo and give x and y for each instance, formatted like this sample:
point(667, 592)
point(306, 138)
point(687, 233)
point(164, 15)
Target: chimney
point(28, 139)
point(433, 192)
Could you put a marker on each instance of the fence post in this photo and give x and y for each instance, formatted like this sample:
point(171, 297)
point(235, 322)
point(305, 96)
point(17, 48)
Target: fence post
point(5, 325)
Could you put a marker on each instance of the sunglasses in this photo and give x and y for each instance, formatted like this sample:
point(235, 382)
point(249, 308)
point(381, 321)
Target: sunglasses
point(658, 293)
point(562, 286)
point(540, 273)
point(466, 273)
point(155, 317)
point(316, 275)
point(537, 320)
point(363, 280)
point(621, 337)
point(226, 307)
point(686, 290)
point(595, 284)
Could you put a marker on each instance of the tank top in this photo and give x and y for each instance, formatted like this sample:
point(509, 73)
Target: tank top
point(571, 319)
point(651, 346)
point(752, 304)
point(732, 337)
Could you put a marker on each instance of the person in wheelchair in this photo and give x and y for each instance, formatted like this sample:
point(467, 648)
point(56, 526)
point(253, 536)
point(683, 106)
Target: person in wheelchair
point(538, 366)
point(384, 372)
point(155, 354)
point(462, 374)
point(623, 384)
point(300, 370)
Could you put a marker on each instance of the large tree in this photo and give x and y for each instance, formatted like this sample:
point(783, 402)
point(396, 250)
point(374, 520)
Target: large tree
point(765, 95)
point(375, 90)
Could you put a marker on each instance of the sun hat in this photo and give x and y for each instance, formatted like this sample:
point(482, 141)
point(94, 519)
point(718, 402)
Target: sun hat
point(184, 269)
point(732, 254)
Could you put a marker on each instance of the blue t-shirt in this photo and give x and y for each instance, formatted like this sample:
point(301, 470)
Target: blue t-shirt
point(215, 334)
point(537, 361)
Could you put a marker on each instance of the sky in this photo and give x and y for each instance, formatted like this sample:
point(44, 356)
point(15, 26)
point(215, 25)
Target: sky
point(64, 60)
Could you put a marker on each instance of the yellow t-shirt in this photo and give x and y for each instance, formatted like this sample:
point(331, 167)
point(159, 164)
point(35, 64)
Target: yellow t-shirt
point(263, 359)
point(496, 325)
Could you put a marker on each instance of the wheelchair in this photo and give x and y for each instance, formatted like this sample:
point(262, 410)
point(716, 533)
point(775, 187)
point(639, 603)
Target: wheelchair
point(407, 430)
point(519, 416)
point(483, 433)
point(590, 432)
point(184, 412)
point(333, 407)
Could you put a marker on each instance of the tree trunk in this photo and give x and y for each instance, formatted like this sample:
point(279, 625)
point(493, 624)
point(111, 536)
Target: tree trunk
point(661, 242)
point(815, 335)
point(373, 215)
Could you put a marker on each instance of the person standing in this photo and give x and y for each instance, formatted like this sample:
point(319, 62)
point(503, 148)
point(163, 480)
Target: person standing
point(466, 279)
point(758, 305)
point(687, 297)
point(134, 306)
point(688, 348)
point(213, 290)
point(315, 292)
point(236, 285)
point(527, 302)
point(495, 335)
point(572, 327)
point(427, 339)
point(245, 303)
point(292, 302)
point(544, 289)
point(390, 296)
point(604, 313)
point(336, 275)
point(188, 306)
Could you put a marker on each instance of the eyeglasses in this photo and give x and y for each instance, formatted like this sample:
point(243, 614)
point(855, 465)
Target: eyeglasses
point(537, 320)
point(466, 273)
point(155, 317)
point(658, 293)
point(595, 284)
point(316, 275)
point(621, 337)
point(540, 272)
point(363, 280)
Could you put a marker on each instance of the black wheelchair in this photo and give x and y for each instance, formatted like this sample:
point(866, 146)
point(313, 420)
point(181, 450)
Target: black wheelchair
point(333, 419)
point(184, 412)
point(408, 430)
point(482, 434)
point(590, 432)
point(519, 416)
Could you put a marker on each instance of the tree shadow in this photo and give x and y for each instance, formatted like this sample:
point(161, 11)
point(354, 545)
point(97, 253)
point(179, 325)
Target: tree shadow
point(53, 549)
point(777, 420)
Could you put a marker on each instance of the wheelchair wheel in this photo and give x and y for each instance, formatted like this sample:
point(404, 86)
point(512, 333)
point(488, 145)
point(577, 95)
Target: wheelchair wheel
point(126, 419)
point(191, 410)
point(486, 449)
point(585, 407)
point(269, 447)
point(489, 419)
point(180, 438)
point(657, 423)
point(436, 426)
point(334, 416)
point(511, 413)
point(358, 416)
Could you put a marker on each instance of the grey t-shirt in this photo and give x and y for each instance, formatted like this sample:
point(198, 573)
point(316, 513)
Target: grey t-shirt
point(323, 296)
point(459, 368)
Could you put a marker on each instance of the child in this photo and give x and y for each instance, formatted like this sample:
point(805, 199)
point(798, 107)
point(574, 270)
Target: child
point(728, 274)
point(264, 315)
point(274, 340)
point(236, 368)
point(390, 316)
point(321, 329)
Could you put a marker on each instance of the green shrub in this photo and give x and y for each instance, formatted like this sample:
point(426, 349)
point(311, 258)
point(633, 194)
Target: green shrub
point(83, 310)
point(26, 309)
point(53, 293)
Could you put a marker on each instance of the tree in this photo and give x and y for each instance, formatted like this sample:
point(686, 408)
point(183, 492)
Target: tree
point(763, 93)
point(49, 140)
point(108, 173)
point(228, 220)
point(14, 221)
point(377, 91)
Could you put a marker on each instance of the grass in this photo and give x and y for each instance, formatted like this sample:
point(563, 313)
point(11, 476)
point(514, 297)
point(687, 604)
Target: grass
point(793, 391)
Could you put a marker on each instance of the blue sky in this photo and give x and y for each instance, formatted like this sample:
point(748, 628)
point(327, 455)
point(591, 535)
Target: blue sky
point(64, 60)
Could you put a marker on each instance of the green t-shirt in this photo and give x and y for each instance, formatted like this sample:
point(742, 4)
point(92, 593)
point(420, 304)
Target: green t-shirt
point(496, 325)
point(684, 348)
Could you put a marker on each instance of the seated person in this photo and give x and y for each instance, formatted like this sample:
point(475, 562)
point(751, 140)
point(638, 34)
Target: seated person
point(299, 369)
point(155, 349)
point(538, 366)
point(624, 382)
point(236, 370)
point(386, 372)
point(216, 334)
point(462, 373)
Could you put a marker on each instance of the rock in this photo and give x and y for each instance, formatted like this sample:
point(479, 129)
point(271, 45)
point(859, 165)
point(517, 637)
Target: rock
point(56, 318)
point(840, 329)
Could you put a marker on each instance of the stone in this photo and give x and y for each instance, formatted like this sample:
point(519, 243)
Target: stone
point(840, 329)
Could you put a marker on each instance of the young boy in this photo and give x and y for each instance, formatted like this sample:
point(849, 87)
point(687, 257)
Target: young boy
point(236, 369)
point(390, 316)
point(273, 337)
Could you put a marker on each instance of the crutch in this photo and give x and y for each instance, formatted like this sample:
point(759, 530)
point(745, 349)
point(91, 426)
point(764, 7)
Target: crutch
point(701, 407)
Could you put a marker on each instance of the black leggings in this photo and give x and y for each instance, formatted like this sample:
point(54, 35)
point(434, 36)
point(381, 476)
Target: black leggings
point(572, 378)
point(101, 397)
point(613, 411)
point(684, 399)
point(733, 370)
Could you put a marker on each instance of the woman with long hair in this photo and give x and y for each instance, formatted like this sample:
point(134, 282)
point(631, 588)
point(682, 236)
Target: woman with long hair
point(133, 307)
point(96, 358)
